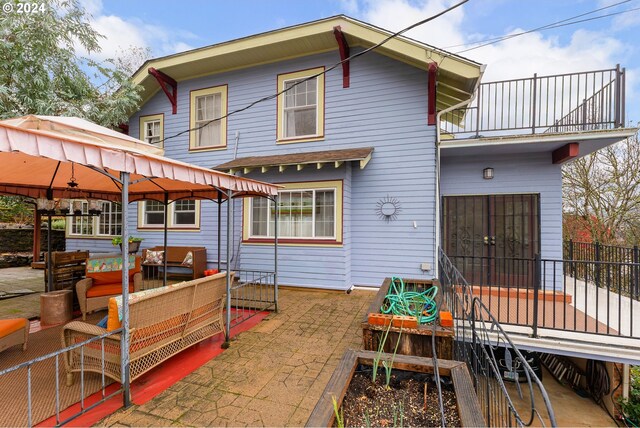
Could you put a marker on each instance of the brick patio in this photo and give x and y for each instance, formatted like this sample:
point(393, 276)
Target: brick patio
point(271, 375)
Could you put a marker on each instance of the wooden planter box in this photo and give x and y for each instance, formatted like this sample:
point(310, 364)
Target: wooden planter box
point(413, 341)
point(466, 398)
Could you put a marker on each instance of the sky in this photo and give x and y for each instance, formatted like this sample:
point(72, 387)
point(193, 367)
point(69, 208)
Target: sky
point(167, 26)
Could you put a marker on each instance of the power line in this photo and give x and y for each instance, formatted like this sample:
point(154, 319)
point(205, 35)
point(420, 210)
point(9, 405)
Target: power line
point(558, 24)
point(356, 55)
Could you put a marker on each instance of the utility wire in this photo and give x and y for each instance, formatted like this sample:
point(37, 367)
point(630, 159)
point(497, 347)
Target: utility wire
point(356, 55)
point(558, 24)
point(544, 27)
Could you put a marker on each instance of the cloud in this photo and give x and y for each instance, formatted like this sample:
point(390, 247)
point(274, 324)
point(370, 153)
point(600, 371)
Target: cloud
point(121, 34)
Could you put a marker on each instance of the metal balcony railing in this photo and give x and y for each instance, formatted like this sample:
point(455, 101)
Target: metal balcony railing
point(562, 103)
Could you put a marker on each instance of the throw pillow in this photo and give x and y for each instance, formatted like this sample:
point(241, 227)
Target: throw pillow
point(154, 257)
point(103, 322)
point(188, 259)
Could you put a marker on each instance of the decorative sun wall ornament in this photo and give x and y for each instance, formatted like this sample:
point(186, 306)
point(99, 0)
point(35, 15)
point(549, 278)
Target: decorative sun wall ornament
point(388, 208)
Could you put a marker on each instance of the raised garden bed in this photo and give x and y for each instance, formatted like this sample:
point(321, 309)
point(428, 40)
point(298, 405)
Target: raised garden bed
point(413, 341)
point(362, 402)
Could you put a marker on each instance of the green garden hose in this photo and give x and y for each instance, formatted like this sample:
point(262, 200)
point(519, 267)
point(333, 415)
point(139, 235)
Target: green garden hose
point(421, 305)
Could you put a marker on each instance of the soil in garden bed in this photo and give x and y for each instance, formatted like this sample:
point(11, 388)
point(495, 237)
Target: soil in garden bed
point(402, 404)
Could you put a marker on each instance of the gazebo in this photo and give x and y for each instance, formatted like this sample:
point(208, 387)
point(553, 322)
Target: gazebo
point(51, 158)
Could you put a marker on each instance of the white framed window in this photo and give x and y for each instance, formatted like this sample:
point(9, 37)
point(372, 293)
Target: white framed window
point(301, 106)
point(152, 129)
point(107, 224)
point(306, 212)
point(209, 128)
point(182, 214)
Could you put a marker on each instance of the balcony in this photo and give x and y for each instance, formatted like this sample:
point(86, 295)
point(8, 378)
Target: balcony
point(574, 102)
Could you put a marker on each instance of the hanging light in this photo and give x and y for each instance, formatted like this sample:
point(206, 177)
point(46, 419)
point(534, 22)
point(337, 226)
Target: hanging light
point(64, 206)
point(45, 206)
point(72, 184)
point(77, 207)
point(95, 206)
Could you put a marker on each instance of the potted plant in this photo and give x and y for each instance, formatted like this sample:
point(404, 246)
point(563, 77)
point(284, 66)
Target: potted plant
point(134, 243)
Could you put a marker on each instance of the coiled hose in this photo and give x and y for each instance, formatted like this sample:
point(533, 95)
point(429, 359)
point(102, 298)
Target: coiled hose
point(421, 305)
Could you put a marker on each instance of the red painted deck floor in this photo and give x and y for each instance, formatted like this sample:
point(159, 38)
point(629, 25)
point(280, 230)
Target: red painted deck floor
point(155, 381)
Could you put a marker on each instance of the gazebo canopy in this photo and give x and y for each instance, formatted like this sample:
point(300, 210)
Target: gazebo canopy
point(40, 154)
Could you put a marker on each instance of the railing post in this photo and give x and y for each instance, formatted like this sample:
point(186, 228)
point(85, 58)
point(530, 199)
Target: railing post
point(570, 257)
point(617, 97)
point(478, 111)
point(536, 291)
point(636, 271)
point(534, 96)
point(597, 266)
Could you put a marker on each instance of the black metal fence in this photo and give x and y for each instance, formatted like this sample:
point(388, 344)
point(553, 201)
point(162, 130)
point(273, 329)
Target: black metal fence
point(585, 296)
point(251, 293)
point(543, 104)
point(491, 357)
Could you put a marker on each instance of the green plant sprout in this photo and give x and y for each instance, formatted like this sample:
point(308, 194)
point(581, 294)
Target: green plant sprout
point(388, 365)
point(376, 360)
point(338, 412)
point(398, 414)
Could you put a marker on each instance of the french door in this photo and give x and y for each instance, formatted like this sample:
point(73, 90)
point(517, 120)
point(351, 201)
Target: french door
point(493, 239)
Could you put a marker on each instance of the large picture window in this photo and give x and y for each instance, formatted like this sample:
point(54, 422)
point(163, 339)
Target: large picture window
point(107, 224)
point(301, 106)
point(183, 214)
point(306, 211)
point(207, 105)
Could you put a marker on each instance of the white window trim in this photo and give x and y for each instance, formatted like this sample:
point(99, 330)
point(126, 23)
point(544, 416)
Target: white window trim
point(336, 240)
point(223, 91)
point(152, 118)
point(171, 219)
point(95, 222)
point(320, 90)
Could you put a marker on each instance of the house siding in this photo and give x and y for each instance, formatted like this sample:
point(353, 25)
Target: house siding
point(527, 173)
point(385, 107)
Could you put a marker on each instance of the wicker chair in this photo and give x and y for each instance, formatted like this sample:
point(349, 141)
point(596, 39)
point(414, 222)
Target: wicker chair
point(162, 322)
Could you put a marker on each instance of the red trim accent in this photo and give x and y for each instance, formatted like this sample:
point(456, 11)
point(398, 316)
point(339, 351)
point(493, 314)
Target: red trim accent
point(433, 75)
point(292, 241)
point(565, 153)
point(124, 127)
point(343, 46)
point(164, 81)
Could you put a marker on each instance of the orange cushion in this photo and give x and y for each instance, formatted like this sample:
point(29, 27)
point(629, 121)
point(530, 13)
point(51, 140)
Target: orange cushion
point(107, 290)
point(113, 321)
point(10, 326)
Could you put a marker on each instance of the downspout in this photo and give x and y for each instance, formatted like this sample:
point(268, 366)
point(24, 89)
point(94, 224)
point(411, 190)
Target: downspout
point(436, 243)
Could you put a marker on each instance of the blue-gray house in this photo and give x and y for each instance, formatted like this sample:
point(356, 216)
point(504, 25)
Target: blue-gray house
point(383, 159)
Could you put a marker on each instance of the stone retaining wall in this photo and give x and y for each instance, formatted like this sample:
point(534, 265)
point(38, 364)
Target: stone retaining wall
point(21, 240)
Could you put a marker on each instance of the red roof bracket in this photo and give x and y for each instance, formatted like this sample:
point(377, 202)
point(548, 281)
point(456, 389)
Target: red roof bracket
point(343, 46)
point(165, 81)
point(431, 104)
point(565, 153)
point(124, 127)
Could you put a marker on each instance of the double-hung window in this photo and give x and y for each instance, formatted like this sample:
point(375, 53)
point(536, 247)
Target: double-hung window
point(182, 214)
point(306, 211)
point(107, 224)
point(208, 124)
point(152, 129)
point(301, 105)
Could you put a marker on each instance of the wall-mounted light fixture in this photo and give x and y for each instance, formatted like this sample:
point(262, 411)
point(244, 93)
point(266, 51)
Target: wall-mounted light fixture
point(487, 173)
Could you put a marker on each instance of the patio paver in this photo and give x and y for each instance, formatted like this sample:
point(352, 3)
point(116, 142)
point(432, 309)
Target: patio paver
point(272, 375)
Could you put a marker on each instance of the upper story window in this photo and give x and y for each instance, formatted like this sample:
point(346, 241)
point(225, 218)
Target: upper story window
point(108, 223)
point(209, 131)
point(152, 129)
point(301, 106)
point(182, 214)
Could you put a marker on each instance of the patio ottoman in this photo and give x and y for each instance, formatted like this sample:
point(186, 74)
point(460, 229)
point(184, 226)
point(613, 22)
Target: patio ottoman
point(14, 332)
point(56, 307)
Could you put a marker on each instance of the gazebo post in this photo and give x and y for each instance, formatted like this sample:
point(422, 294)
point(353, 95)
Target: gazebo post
point(275, 252)
point(228, 326)
point(124, 337)
point(219, 230)
point(164, 254)
point(49, 264)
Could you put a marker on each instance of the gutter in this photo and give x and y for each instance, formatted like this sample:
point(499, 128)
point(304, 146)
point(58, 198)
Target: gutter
point(436, 242)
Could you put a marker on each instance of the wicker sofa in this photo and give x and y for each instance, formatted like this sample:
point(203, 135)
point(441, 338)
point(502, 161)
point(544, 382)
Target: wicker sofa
point(162, 322)
point(97, 288)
